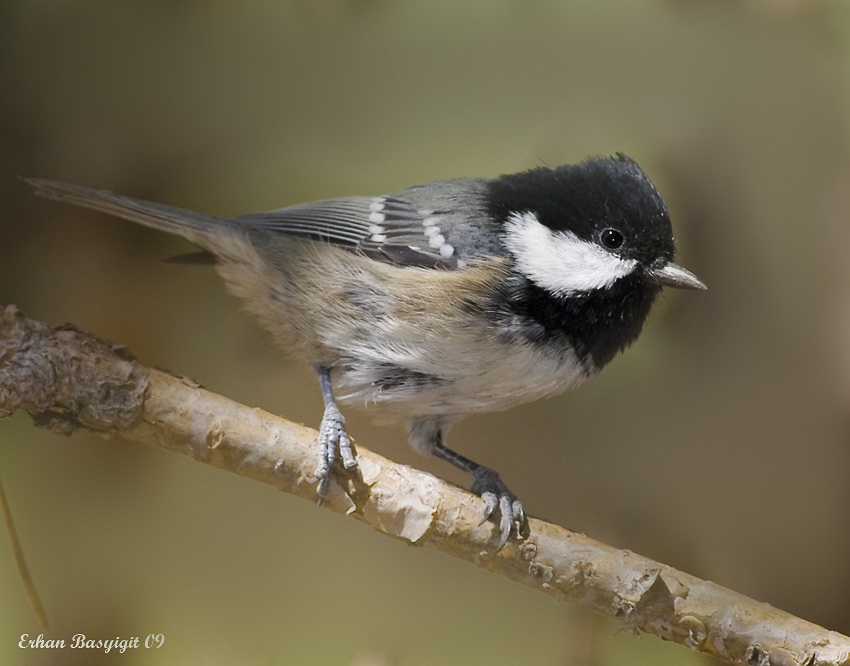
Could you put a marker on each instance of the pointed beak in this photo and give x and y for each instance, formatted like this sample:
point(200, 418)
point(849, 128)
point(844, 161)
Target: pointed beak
point(673, 275)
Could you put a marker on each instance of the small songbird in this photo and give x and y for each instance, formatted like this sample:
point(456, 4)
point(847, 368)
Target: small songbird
point(444, 299)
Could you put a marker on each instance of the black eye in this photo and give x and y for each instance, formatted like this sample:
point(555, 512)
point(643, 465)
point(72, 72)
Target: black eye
point(611, 238)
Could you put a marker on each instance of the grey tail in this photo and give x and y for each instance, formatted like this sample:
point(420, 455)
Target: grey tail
point(193, 226)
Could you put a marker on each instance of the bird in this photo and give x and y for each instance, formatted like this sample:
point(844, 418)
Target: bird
point(444, 299)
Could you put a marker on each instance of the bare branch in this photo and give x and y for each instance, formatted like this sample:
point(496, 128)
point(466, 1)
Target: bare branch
point(67, 379)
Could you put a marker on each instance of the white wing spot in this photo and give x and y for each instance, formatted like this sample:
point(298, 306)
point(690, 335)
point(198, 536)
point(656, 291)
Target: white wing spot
point(446, 250)
point(431, 231)
point(437, 240)
point(429, 221)
point(376, 217)
point(377, 204)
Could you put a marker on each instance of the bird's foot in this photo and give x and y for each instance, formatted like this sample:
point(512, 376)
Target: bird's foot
point(499, 500)
point(334, 443)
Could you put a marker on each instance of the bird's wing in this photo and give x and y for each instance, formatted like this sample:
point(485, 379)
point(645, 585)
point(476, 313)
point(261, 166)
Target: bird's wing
point(385, 228)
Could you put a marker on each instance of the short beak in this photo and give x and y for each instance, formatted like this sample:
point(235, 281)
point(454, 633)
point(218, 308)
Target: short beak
point(673, 275)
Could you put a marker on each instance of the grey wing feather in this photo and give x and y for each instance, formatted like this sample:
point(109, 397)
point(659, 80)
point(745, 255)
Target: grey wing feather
point(384, 228)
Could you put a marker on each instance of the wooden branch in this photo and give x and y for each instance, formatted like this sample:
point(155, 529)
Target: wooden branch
point(68, 379)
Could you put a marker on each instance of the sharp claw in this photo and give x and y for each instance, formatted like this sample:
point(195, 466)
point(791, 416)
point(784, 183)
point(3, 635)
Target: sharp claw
point(519, 514)
point(322, 488)
point(491, 502)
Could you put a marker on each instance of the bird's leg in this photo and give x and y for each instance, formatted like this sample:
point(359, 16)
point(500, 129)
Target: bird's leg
point(427, 436)
point(333, 439)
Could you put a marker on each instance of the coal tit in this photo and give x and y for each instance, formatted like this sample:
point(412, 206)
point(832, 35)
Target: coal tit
point(444, 299)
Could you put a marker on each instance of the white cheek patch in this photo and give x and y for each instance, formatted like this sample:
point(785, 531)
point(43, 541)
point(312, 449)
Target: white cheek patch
point(559, 261)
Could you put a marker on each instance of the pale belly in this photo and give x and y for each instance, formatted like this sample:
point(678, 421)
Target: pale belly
point(445, 378)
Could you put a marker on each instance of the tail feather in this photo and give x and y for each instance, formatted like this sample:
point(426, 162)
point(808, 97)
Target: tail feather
point(193, 226)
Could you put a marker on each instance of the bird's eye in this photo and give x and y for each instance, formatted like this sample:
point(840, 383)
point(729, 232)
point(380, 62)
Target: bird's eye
point(611, 238)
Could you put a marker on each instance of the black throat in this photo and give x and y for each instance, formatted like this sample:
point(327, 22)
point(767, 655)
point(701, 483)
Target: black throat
point(597, 324)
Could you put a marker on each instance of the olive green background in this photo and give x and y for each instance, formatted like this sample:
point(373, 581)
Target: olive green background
point(717, 444)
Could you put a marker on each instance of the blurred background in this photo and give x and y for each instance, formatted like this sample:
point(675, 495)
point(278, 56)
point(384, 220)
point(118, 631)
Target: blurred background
point(717, 444)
